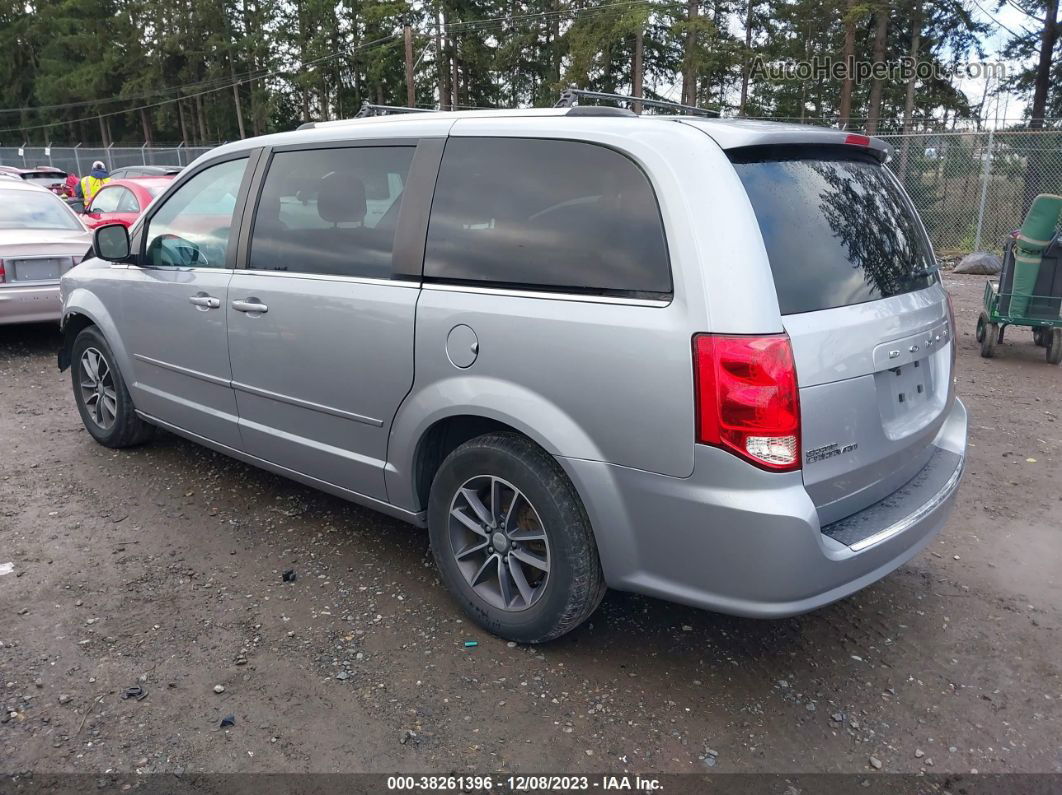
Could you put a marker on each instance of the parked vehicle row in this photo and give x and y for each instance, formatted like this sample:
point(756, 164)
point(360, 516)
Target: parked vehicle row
point(706, 360)
point(40, 240)
point(42, 237)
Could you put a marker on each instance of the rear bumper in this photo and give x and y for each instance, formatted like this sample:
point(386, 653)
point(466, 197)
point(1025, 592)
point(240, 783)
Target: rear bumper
point(29, 304)
point(738, 540)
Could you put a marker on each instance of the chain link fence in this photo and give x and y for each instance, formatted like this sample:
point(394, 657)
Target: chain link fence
point(79, 159)
point(973, 188)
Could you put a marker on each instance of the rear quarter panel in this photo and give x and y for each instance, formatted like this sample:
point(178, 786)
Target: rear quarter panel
point(585, 378)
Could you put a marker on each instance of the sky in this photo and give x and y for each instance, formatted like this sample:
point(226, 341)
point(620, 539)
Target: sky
point(1006, 19)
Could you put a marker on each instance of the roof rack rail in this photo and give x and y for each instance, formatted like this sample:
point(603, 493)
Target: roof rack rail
point(570, 97)
point(369, 109)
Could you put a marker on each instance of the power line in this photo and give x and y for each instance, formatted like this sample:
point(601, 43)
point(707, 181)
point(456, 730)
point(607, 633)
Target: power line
point(386, 41)
point(984, 11)
point(223, 83)
point(214, 85)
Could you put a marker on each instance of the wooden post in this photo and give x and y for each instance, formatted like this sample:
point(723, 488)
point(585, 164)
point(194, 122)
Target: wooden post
point(411, 91)
point(636, 68)
point(848, 56)
point(146, 124)
point(881, 34)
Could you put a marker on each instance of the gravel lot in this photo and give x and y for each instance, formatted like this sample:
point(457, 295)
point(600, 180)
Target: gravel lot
point(161, 568)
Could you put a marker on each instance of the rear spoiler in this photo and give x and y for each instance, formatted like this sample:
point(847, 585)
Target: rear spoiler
point(742, 133)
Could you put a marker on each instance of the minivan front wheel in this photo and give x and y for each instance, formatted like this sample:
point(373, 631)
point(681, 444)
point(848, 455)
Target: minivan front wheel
point(102, 399)
point(512, 540)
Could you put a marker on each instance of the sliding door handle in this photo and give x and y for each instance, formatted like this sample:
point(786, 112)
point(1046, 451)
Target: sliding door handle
point(251, 305)
point(204, 301)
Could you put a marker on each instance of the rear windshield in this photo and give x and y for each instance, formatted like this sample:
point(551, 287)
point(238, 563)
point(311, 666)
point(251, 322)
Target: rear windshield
point(45, 178)
point(838, 228)
point(23, 209)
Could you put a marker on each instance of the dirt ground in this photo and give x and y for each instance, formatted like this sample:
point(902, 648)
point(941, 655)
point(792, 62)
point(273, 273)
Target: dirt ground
point(161, 567)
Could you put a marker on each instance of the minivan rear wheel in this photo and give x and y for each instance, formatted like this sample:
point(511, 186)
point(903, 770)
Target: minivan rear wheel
point(102, 399)
point(512, 540)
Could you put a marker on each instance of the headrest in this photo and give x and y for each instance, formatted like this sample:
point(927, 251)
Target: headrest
point(341, 197)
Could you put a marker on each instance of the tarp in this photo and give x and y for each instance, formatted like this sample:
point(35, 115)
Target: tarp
point(1035, 236)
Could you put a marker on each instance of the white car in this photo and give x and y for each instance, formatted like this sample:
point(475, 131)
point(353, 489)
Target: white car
point(40, 240)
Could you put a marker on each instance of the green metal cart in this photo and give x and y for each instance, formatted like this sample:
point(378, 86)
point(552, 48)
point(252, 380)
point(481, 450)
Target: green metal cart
point(1029, 290)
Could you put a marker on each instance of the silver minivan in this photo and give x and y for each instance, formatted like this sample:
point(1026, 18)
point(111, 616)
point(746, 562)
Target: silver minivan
point(706, 360)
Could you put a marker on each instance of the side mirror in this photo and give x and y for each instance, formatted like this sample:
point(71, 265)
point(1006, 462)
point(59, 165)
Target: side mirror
point(111, 242)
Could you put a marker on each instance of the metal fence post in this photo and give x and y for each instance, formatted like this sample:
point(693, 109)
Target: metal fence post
point(986, 175)
point(109, 156)
point(77, 158)
point(143, 154)
point(179, 161)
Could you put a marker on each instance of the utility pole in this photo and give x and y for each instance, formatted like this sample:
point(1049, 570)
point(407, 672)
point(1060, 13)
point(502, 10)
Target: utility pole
point(636, 67)
point(689, 69)
point(442, 60)
point(746, 71)
point(1035, 170)
point(881, 35)
point(848, 56)
point(909, 103)
point(411, 91)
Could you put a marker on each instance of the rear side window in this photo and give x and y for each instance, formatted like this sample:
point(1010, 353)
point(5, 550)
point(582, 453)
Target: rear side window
point(838, 228)
point(561, 215)
point(331, 211)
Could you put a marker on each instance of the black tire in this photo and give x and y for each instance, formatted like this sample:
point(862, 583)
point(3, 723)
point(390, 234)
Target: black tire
point(575, 584)
point(988, 340)
point(1039, 338)
point(982, 322)
point(118, 426)
point(1053, 342)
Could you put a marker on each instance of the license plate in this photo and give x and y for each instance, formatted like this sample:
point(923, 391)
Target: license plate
point(37, 270)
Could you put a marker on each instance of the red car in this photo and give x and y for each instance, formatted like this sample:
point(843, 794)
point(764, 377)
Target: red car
point(122, 200)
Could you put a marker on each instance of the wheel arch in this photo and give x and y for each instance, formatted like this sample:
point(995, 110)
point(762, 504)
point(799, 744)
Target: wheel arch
point(432, 423)
point(82, 309)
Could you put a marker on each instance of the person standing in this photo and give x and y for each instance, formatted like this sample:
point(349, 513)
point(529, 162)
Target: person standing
point(93, 181)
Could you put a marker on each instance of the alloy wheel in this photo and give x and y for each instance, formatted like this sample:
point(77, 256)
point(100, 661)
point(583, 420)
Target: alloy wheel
point(97, 388)
point(499, 543)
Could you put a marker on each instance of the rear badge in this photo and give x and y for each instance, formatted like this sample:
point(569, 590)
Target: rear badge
point(829, 451)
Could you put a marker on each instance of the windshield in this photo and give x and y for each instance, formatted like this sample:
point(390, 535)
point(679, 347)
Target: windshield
point(838, 228)
point(28, 209)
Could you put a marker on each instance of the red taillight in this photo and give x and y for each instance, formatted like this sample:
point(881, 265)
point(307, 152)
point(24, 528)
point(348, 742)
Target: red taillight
point(3, 273)
point(747, 398)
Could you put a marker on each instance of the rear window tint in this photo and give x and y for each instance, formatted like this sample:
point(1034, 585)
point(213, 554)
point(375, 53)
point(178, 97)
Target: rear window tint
point(545, 214)
point(838, 229)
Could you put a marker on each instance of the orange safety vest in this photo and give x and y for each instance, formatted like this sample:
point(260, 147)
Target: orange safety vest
point(91, 184)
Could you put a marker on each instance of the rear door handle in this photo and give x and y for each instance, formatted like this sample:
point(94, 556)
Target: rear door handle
point(252, 305)
point(205, 301)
